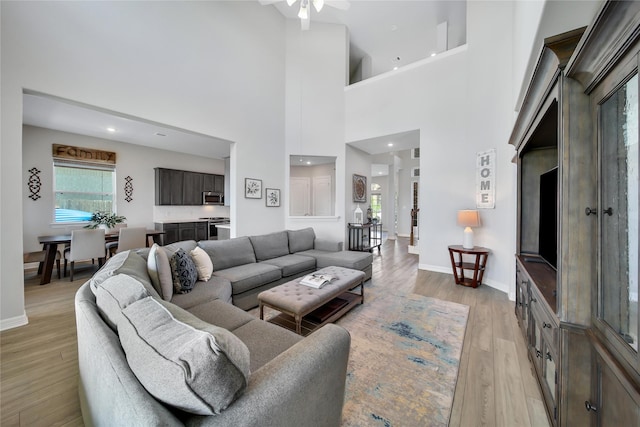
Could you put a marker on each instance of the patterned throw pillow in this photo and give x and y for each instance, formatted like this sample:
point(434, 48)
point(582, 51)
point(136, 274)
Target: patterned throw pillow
point(183, 271)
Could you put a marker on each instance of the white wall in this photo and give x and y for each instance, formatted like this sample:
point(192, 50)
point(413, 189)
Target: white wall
point(359, 163)
point(216, 68)
point(316, 74)
point(461, 103)
point(135, 161)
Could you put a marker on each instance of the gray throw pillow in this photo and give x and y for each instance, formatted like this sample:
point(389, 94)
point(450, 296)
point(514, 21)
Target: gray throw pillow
point(181, 360)
point(183, 271)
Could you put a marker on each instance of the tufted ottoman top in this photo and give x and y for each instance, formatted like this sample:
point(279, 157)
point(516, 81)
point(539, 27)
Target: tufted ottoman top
point(300, 299)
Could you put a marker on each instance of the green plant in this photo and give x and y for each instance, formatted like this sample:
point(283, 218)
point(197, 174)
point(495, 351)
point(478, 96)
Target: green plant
point(107, 218)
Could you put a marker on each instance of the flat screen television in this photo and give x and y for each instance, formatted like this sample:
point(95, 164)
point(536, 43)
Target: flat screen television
point(548, 232)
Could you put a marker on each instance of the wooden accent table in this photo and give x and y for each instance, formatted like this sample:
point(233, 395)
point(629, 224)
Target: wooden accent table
point(478, 266)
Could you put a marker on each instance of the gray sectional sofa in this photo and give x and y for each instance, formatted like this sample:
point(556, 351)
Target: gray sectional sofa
point(147, 358)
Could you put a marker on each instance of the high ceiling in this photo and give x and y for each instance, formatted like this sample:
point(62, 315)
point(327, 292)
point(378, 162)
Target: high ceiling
point(389, 29)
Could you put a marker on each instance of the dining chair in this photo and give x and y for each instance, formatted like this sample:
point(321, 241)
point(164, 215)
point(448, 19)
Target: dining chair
point(131, 238)
point(85, 244)
point(113, 246)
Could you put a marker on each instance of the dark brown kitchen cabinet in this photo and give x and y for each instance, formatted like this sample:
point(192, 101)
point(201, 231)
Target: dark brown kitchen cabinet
point(192, 188)
point(184, 188)
point(169, 183)
point(178, 231)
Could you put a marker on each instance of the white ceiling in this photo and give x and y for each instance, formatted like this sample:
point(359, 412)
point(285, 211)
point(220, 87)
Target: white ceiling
point(67, 116)
point(400, 141)
point(390, 29)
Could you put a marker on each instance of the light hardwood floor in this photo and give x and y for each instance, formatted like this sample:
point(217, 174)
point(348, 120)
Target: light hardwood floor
point(496, 387)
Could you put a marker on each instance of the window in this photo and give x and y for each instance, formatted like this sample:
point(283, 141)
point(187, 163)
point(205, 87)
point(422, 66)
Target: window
point(376, 206)
point(81, 189)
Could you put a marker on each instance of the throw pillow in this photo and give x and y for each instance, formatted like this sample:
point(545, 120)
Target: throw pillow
point(183, 271)
point(181, 360)
point(160, 271)
point(203, 263)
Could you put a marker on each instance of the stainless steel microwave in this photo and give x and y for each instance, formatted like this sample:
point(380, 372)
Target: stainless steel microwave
point(211, 198)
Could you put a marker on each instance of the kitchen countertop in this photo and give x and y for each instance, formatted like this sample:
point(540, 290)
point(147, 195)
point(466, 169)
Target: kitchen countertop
point(173, 221)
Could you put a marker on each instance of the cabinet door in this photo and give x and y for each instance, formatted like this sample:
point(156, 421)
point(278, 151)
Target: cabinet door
point(170, 233)
point(187, 231)
point(218, 183)
point(164, 186)
point(522, 301)
point(208, 182)
point(175, 180)
point(192, 188)
point(201, 231)
point(618, 403)
point(618, 217)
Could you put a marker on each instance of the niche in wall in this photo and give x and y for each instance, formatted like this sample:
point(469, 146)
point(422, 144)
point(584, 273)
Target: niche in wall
point(312, 185)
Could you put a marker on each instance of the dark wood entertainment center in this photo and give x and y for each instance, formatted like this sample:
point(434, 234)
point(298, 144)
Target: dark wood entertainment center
point(577, 305)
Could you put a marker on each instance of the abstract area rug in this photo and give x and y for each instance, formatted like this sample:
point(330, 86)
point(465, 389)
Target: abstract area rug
point(403, 367)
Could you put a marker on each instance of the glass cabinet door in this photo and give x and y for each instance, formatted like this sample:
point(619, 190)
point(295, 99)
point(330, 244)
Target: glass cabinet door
point(618, 213)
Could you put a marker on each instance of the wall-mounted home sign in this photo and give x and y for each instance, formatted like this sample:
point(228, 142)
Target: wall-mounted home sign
point(486, 179)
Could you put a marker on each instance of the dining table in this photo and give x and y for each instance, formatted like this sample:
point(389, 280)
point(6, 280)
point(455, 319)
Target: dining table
point(50, 246)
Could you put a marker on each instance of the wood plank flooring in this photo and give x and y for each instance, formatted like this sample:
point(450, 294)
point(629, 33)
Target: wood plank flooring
point(496, 387)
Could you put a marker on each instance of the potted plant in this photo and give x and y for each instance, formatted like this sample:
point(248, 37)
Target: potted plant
point(106, 220)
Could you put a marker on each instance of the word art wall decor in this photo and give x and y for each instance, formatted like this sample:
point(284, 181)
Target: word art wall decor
point(486, 179)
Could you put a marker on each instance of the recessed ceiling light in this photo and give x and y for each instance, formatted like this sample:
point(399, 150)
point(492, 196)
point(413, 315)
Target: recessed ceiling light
point(159, 134)
point(111, 129)
point(379, 173)
point(433, 54)
point(308, 163)
point(394, 27)
point(395, 68)
point(390, 144)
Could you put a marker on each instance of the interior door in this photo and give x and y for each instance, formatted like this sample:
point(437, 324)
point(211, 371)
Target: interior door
point(300, 201)
point(322, 196)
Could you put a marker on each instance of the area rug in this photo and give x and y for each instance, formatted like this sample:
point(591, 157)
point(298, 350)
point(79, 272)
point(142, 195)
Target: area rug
point(405, 354)
point(403, 366)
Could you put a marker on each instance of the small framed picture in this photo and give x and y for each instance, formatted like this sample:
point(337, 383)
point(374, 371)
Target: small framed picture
point(359, 188)
point(252, 188)
point(272, 197)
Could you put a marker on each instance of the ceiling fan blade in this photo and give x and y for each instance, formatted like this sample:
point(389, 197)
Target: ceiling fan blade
point(338, 4)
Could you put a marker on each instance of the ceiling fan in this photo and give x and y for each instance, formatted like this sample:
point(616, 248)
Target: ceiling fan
point(305, 10)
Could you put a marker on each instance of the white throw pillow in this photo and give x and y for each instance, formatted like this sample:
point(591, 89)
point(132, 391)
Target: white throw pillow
point(160, 271)
point(203, 263)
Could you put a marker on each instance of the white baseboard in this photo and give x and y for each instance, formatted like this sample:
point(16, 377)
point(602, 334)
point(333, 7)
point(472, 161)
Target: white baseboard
point(13, 322)
point(403, 235)
point(491, 283)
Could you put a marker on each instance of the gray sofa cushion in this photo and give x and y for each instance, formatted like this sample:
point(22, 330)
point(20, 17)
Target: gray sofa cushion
point(249, 276)
point(115, 294)
point(222, 314)
point(127, 262)
point(292, 264)
point(347, 259)
point(301, 240)
point(229, 253)
point(181, 360)
point(265, 341)
point(272, 245)
point(203, 292)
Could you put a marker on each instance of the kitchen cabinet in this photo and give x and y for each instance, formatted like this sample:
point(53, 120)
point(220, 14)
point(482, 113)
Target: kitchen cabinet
point(178, 231)
point(184, 188)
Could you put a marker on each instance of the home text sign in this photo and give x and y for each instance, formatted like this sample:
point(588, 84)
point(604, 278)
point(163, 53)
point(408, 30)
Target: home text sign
point(486, 179)
point(83, 154)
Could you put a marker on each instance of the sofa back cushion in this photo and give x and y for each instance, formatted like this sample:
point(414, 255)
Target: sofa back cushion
point(185, 245)
point(181, 360)
point(272, 245)
point(301, 240)
point(129, 263)
point(229, 253)
point(115, 294)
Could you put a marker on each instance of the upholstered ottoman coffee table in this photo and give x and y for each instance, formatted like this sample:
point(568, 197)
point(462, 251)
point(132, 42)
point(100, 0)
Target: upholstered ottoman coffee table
point(318, 306)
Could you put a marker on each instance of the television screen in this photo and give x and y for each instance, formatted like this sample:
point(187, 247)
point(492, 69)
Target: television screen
point(548, 233)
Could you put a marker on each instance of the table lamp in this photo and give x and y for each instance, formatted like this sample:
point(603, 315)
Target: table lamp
point(468, 219)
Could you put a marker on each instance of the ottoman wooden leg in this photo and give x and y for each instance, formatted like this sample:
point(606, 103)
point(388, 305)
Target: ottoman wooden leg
point(298, 324)
point(261, 311)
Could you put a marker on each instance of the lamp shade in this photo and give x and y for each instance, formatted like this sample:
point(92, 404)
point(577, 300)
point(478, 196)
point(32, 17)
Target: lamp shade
point(468, 218)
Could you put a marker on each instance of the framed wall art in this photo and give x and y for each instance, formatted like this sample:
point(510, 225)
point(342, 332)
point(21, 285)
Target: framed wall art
point(272, 197)
point(252, 188)
point(359, 188)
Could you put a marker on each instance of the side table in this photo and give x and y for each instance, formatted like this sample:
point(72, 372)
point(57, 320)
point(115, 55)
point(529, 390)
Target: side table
point(460, 266)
